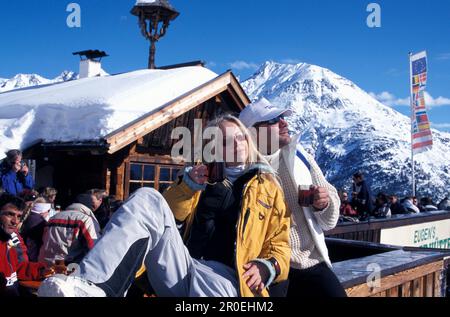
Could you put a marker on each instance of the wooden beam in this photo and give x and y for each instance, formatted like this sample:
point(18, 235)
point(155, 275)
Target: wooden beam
point(417, 287)
point(235, 98)
point(244, 99)
point(406, 289)
point(146, 125)
point(120, 181)
point(429, 285)
point(393, 292)
point(437, 284)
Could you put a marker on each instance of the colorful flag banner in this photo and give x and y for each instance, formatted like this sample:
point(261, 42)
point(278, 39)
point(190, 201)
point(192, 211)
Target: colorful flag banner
point(422, 138)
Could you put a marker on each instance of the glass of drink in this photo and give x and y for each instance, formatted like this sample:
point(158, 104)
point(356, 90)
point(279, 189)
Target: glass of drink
point(305, 195)
point(216, 173)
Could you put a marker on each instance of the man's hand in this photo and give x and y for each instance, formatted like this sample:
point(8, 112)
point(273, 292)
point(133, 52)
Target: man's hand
point(321, 198)
point(256, 274)
point(52, 270)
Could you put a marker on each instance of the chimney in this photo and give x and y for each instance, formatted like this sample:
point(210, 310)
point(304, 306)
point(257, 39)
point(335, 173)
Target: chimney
point(90, 63)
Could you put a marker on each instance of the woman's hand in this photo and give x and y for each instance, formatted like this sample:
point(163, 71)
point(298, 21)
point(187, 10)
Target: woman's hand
point(199, 174)
point(257, 273)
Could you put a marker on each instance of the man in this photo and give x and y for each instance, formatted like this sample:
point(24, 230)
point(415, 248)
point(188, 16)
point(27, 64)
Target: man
point(444, 204)
point(101, 206)
point(382, 209)
point(15, 176)
point(409, 206)
point(14, 265)
point(427, 204)
point(361, 196)
point(310, 273)
point(396, 207)
point(70, 234)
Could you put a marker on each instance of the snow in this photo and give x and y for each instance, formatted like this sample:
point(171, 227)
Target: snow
point(90, 108)
point(348, 130)
point(138, 2)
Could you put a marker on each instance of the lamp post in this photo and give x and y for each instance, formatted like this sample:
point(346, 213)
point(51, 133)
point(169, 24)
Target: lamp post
point(154, 19)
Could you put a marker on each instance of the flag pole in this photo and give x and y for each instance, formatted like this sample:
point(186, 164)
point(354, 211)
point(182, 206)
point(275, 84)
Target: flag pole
point(412, 126)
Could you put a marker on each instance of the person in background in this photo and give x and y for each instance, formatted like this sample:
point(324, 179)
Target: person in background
point(70, 234)
point(310, 268)
point(382, 209)
point(444, 204)
point(14, 174)
point(361, 196)
point(395, 206)
point(28, 196)
point(427, 204)
point(415, 202)
point(114, 204)
point(32, 230)
point(49, 193)
point(101, 206)
point(346, 208)
point(409, 205)
point(14, 265)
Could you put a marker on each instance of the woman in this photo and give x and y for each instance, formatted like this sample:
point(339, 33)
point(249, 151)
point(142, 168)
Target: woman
point(255, 249)
point(210, 213)
point(49, 194)
point(32, 230)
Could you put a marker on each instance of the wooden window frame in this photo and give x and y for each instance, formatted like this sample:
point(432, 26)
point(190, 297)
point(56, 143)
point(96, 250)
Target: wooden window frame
point(156, 182)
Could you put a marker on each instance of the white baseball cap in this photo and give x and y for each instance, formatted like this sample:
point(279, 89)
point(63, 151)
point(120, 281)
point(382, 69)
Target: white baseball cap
point(261, 111)
point(40, 208)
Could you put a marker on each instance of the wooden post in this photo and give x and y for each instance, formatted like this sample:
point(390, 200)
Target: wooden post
point(120, 181)
point(151, 57)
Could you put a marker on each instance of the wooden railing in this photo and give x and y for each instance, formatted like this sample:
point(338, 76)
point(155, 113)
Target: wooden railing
point(370, 230)
point(389, 271)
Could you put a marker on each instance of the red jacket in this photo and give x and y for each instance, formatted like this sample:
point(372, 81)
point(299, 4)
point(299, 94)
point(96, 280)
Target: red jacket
point(347, 210)
point(14, 265)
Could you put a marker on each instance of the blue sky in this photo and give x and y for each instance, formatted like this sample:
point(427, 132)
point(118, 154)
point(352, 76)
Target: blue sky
point(242, 34)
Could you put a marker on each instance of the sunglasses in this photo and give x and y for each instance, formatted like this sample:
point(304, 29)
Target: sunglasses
point(272, 121)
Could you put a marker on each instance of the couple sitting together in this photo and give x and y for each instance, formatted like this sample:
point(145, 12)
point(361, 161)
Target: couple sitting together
point(244, 236)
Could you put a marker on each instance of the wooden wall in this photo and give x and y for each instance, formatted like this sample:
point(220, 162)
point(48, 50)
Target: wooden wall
point(421, 281)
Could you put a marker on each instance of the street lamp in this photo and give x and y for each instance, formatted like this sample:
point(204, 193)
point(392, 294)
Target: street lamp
point(154, 19)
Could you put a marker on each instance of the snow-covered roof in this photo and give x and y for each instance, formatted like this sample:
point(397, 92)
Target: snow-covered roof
point(90, 108)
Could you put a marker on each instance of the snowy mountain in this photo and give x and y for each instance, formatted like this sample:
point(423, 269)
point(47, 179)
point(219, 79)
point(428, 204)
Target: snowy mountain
point(29, 80)
point(347, 130)
point(66, 76)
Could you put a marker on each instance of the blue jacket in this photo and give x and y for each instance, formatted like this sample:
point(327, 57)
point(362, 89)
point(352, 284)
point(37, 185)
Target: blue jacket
point(14, 183)
point(363, 201)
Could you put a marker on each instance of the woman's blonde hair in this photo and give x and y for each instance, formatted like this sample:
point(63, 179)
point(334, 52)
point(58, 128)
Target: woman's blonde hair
point(254, 156)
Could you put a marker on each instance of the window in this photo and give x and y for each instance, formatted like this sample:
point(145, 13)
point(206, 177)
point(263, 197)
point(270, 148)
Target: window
point(155, 176)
